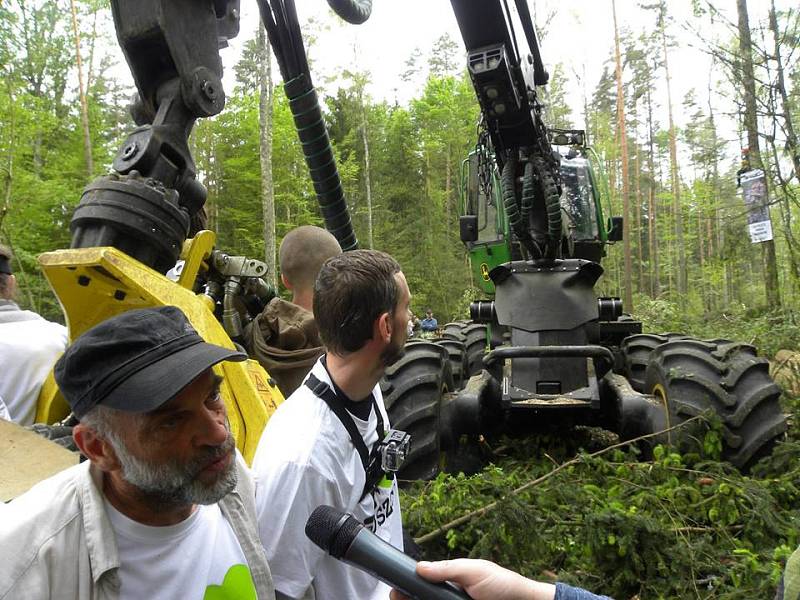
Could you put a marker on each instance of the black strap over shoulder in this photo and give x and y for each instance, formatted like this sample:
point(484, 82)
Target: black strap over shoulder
point(323, 391)
point(370, 460)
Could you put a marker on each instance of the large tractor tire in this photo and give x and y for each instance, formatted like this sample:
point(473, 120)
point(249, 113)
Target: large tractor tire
point(453, 330)
point(456, 354)
point(412, 392)
point(475, 347)
point(473, 335)
point(636, 351)
point(690, 377)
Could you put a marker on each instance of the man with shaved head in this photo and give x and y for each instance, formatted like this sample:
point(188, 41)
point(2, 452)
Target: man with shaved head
point(302, 253)
point(284, 337)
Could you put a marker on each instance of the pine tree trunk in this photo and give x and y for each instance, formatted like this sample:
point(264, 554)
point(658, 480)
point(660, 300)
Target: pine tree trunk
point(368, 185)
point(638, 198)
point(8, 176)
point(87, 138)
point(681, 276)
point(791, 145)
point(448, 189)
point(655, 279)
point(786, 110)
point(702, 254)
point(771, 283)
point(265, 105)
point(623, 139)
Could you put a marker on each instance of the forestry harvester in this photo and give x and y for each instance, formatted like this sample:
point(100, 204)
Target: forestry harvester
point(540, 348)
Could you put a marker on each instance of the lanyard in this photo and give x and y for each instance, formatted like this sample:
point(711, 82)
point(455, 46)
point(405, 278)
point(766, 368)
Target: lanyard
point(370, 460)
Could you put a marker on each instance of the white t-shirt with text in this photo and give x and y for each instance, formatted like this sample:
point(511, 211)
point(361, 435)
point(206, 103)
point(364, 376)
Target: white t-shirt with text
point(305, 458)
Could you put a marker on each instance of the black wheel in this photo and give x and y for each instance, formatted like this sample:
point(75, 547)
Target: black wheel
point(473, 335)
point(412, 391)
point(475, 347)
point(636, 351)
point(456, 354)
point(692, 376)
point(453, 329)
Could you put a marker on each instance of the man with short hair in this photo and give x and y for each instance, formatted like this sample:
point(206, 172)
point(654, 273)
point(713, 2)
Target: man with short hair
point(164, 506)
point(320, 446)
point(284, 337)
point(429, 323)
point(29, 345)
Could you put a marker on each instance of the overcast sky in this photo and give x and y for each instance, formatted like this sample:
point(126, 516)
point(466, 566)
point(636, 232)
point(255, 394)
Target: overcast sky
point(580, 35)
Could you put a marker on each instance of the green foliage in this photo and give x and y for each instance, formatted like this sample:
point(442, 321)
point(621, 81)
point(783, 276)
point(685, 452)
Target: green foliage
point(768, 330)
point(41, 148)
point(674, 527)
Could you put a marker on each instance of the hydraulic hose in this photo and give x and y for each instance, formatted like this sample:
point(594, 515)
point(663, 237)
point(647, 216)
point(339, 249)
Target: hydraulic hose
point(231, 320)
point(352, 11)
point(283, 30)
point(317, 150)
point(552, 201)
point(508, 185)
point(528, 192)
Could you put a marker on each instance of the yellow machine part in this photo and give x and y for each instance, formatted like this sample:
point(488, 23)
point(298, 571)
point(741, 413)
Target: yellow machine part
point(94, 284)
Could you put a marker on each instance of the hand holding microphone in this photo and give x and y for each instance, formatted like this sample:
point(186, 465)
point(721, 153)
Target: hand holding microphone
point(483, 580)
point(345, 538)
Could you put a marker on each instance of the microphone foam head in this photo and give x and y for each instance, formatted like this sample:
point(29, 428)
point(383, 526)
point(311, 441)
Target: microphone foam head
point(332, 530)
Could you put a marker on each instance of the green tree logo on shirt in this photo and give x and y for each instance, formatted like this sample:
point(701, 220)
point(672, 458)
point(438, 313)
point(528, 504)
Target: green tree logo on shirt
point(237, 585)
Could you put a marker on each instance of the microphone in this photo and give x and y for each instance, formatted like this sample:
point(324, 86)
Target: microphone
point(345, 538)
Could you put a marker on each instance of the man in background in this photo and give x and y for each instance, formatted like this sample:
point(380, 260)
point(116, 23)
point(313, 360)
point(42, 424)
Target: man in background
point(284, 337)
point(29, 345)
point(429, 323)
point(321, 445)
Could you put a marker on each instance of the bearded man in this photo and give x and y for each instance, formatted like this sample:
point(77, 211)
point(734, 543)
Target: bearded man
point(320, 445)
point(164, 506)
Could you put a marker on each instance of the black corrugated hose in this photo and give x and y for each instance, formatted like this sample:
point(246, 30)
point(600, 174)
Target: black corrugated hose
point(352, 11)
point(283, 30)
point(518, 226)
point(528, 191)
point(552, 199)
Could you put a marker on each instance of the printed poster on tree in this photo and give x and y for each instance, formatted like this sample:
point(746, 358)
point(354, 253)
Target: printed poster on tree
point(754, 191)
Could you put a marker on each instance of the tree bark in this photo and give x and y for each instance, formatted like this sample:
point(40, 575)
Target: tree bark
point(682, 276)
point(626, 209)
point(87, 138)
point(265, 105)
point(786, 111)
point(638, 198)
point(367, 168)
point(655, 279)
point(8, 176)
point(771, 283)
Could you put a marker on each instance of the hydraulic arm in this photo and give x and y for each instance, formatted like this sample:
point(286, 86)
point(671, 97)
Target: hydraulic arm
point(505, 67)
point(152, 200)
point(146, 206)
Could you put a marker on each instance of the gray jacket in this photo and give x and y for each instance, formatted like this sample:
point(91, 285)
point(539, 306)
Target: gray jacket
point(56, 540)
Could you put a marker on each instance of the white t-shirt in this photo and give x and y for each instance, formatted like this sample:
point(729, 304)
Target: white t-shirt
point(28, 350)
point(4, 411)
point(305, 458)
point(196, 559)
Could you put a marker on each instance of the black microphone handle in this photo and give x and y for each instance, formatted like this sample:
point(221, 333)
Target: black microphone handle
point(380, 559)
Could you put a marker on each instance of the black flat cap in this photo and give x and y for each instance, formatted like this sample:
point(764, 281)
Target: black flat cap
point(136, 361)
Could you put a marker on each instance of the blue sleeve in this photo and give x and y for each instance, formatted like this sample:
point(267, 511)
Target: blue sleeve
point(567, 592)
